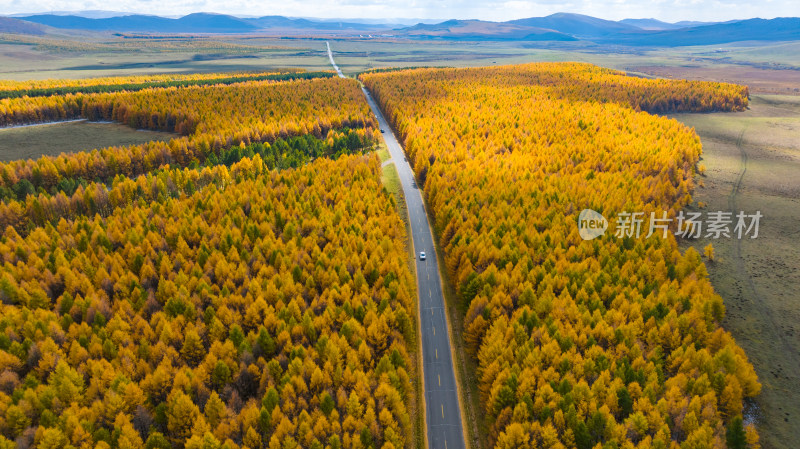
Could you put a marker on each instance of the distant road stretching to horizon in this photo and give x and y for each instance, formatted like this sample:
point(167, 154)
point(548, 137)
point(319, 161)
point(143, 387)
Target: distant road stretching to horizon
point(442, 408)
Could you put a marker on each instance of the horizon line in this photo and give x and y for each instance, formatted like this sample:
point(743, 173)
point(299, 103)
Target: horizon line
point(76, 13)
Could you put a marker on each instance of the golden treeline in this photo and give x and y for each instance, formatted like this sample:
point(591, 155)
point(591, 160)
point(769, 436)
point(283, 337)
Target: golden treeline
point(271, 310)
point(579, 344)
point(210, 118)
point(106, 80)
point(144, 44)
point(229, 305)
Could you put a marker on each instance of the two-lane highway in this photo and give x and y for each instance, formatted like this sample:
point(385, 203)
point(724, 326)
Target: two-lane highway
point(441, 396)
point(443, 413)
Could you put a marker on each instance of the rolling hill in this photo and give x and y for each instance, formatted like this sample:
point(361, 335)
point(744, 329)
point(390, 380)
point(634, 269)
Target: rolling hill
point(270, 22)
point(194, 23)
point(655, 24)
point(560, 27)
point(779, 29)
point(16, 26)
point(630, 32)
point(479, 29)
point(576, 25)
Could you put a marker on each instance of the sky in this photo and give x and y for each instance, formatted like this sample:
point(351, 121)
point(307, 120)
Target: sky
point(498, 10)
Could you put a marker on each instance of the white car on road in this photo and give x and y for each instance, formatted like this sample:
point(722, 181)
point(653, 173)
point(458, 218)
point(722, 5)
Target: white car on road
point(422, 255)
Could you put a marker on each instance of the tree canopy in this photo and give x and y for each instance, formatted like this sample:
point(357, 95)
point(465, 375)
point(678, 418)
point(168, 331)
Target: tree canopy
point(579, 344)
point(244, 286)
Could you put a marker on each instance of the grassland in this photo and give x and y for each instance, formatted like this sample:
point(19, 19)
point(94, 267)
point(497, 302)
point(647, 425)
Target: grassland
point(383, 153)
point(760, 80)
point(752, 160)
point(356, 55)
point(106, 56)
point(53, 139)
point(28, 58)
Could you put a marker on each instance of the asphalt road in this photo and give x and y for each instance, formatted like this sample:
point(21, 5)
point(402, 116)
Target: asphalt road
point(443, 416)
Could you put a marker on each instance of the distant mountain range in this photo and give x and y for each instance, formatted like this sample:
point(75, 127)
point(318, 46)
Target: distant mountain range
point(577, 25)
point(192, 23)
point(482, 30)
point(561, 27)
point(653, 24)
point(629, 32)
point(780, 29)
point(89, 13)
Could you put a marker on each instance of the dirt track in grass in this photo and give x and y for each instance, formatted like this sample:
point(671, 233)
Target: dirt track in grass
point(752, 162)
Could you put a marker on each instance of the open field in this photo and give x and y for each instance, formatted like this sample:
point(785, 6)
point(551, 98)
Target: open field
point(741, 62)
point(356, 55)
point(23, 64)
point(752, 160)
point(20, 61)
point(760, 80)
point(754, 54)
point(56, 138)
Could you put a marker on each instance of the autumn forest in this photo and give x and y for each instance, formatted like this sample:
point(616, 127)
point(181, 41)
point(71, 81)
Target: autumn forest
point(579, 344)
point(247, 284)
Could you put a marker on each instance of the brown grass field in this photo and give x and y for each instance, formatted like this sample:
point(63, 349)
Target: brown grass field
point(760, 80)
point(752, 163)
point(56, 138)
